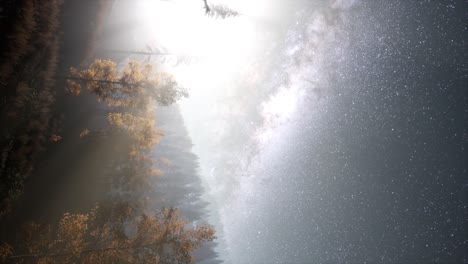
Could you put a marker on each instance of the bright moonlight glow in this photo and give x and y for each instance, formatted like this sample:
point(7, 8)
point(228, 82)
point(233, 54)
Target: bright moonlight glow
point(281, 105)
point(183, 28)
point(223, 49)
point(220, 48)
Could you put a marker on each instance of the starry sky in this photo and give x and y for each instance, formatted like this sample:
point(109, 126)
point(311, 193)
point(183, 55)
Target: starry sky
point(336, 133)
point(379, 175)
point(369, 165)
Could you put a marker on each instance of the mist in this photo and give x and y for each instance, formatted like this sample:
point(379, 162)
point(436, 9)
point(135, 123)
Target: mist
point(310, 123)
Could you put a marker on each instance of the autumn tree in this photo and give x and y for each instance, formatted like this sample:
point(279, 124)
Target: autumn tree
point(110, 235)
point(28, 67)
point(141, 129)
point(134, 86)
point(129, 93)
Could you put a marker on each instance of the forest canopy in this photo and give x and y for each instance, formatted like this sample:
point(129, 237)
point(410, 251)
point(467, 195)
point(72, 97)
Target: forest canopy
point(107, 147)
point(114, 234)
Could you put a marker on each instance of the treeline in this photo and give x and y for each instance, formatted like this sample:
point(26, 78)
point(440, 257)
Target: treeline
point(125, 226)
point(129, 95)
point(179, 186)
point(28, 68)
point(112, 234)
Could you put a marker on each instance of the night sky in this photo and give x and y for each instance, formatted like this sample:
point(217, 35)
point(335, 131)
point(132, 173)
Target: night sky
point(380, 174)
point(371, 165)
point(315, 131)
point(340, 138)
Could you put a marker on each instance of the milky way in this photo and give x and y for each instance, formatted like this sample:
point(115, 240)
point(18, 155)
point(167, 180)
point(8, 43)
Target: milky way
point(350, 145)
point(333, 131)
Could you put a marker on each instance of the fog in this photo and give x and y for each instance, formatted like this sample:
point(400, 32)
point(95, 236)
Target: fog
point(286, 115)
